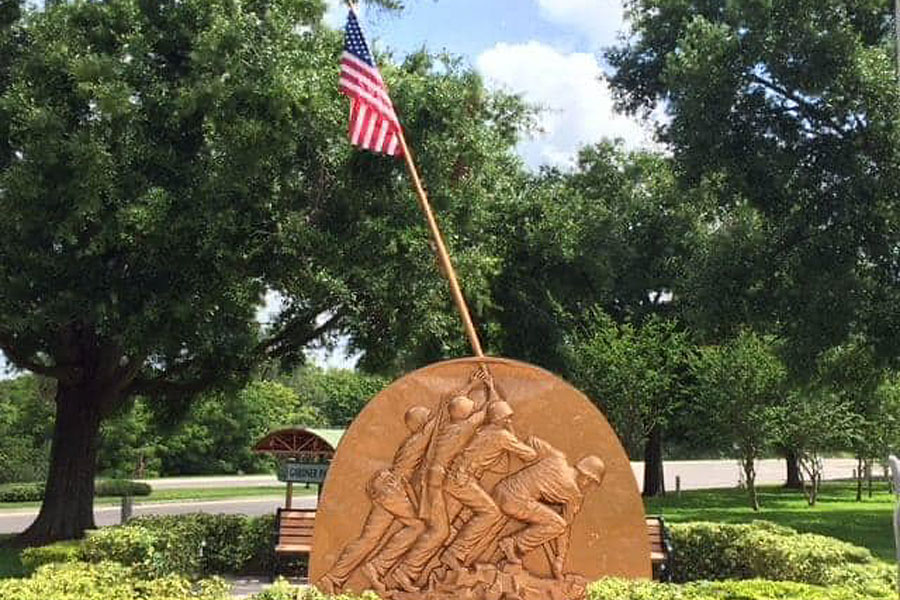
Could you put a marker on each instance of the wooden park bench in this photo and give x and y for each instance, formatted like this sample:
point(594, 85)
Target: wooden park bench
point(660, 548)
point(294, 534)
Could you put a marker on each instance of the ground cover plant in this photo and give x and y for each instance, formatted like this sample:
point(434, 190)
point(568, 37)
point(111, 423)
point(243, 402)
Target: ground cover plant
point(837, 514)
point(108, 581)
point(757, 589)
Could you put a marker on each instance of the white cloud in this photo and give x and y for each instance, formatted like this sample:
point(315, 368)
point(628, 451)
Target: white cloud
point(598, 20)
point(579, 105)
point(336, 13)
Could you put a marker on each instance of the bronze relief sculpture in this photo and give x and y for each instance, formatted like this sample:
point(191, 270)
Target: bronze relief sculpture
point(503, 482)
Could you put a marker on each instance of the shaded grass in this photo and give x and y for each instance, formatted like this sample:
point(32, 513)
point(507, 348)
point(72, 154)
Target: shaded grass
point(837, 513)
point(10, 565)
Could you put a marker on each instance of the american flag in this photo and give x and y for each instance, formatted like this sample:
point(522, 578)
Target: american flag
point(373, 122)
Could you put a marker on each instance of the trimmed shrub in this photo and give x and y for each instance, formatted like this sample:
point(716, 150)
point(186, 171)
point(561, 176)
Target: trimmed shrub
point(106, 581)
point(192, 545)
point(717, 551)
point(60, 552)
point(21, 492)
point(258, 540)
point(34, 492)
point(756, 589)
point(121, 487)
point(135, 547)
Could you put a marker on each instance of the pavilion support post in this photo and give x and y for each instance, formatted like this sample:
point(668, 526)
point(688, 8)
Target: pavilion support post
point(289, 498)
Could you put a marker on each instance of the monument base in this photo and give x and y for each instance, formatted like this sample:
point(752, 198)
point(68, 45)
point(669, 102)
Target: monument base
point(495, 582)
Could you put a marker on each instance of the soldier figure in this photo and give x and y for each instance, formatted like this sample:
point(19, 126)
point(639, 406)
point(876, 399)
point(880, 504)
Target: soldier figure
point(392, 498)
point(488, 451)
point(449, 440)
point(524, 496)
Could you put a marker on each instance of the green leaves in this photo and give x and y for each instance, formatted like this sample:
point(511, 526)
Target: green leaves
point(790, 108)
point(634, 372)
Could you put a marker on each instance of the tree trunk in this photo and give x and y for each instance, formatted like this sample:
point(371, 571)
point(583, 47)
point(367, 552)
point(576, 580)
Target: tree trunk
point(869, 476)
point(68, 506)
point(859, 476)
point(654, 476)
point(794, 480)
point(749, 465)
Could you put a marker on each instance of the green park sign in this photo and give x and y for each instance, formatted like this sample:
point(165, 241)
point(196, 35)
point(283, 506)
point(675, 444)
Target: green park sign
point(298, 472)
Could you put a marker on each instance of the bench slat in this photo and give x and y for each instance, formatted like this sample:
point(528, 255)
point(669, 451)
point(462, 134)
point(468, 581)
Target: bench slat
point(293, 549)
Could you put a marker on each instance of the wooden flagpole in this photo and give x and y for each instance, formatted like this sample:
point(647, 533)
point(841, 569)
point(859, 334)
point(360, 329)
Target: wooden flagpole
point(440, 247)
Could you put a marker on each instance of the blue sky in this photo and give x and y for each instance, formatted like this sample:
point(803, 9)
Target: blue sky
point(550, 51)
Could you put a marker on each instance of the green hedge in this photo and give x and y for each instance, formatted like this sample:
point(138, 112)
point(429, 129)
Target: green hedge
point(192, 545)
point(717, 551)
point(281, 590)
point(121, 487)
point(757, 589)
point(34, 492)
point(107, 581)
point(623, 589)
point(21, 492)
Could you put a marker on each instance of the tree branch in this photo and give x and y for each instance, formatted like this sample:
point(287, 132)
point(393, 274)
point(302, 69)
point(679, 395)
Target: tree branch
point(808, 109)
point(165, 387)
point(280, 344)
point(63, 373)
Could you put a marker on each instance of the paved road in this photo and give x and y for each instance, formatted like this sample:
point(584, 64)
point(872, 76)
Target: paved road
point(710, 474)
point(694, 475)
point(212, 482)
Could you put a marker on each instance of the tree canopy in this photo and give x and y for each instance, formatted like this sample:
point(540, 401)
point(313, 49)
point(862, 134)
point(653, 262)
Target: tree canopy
point(786, 112)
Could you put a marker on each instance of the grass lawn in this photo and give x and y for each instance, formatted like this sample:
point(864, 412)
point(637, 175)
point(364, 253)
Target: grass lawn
point(187, 494)
point(837, 513)
point(10, 566)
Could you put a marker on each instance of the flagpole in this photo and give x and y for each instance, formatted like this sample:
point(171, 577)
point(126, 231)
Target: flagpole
point(440, 247)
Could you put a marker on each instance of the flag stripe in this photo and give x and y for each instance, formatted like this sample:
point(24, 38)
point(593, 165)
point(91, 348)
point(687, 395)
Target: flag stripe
point(358, 92)
point(370, 131)
point(360, 121)
point(352, 62)
point(382, 133)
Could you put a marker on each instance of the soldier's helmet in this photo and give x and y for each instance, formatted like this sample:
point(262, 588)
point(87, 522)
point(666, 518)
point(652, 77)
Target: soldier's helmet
point(461, 407)
point(498, 411)
point(592, 467)
point(416, 417)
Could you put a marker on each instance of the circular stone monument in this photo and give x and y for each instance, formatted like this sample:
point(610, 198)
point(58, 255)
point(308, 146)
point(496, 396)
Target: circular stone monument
point(482, 479)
